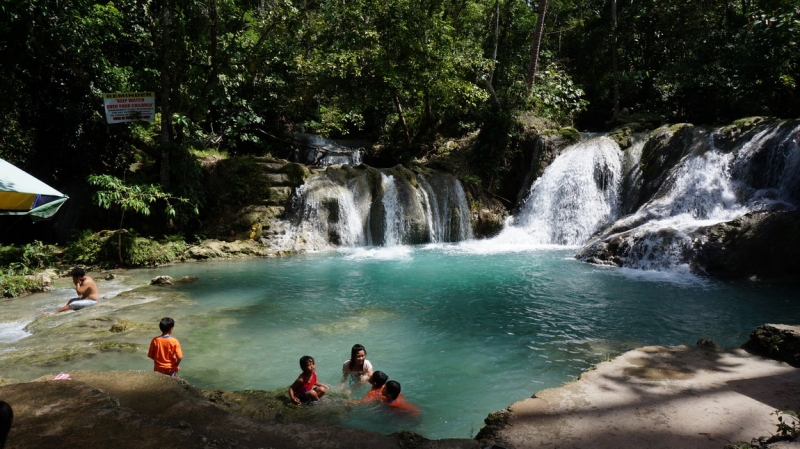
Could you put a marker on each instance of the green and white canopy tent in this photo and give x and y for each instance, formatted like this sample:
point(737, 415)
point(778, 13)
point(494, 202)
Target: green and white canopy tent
point(22, 194)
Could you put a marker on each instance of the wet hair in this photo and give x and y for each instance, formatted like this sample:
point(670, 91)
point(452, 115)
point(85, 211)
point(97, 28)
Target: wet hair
point(393, 389)
point(6, 418)
point(379, 378)
point(304, 360)
point(166, 324)
point(356, 347)
point(78, 272)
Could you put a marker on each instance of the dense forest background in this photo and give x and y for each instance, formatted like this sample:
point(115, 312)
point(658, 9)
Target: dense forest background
point(241, 76)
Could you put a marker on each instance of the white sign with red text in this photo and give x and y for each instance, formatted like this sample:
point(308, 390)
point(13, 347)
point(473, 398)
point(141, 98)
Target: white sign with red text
point(130, 107)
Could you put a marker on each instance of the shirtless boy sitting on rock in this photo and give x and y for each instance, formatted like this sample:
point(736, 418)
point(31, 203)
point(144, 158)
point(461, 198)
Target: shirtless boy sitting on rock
point(86, 288)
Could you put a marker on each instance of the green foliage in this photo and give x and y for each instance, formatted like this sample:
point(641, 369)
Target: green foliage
point(28, 258)
point(86, 249)
point(103, 249)
point(238, 182)
point(115, 193)
point(15, 285)
point(141, 252)
point(787, 429)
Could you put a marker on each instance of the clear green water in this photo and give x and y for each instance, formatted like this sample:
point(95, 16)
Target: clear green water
point(465, 333)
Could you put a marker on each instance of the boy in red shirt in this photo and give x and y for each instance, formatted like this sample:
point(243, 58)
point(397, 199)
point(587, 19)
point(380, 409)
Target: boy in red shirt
point(377, 380)
point(306, 388)
point(165, 350)
point(391, 396)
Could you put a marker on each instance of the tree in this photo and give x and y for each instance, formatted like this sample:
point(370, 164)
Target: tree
point(115, 193)
point(537, 42)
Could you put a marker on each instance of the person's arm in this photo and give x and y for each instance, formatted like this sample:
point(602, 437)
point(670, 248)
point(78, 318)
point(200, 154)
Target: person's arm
point(85, 287)
point(80, 288)
point(178, 356)
point(294, 398)
point(151, 353)
point(367, 372)
point(345, 369)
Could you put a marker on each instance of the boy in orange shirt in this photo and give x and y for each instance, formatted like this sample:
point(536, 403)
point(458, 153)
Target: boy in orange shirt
point(391, 396)
point(377, 380)
point(166, 350)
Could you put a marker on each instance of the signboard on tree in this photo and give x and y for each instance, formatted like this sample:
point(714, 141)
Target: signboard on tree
point(130, 107)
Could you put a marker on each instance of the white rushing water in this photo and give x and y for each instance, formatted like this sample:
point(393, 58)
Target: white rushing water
point(575, 196)
point(589, 191)
point(329, 213)
point(707, 186)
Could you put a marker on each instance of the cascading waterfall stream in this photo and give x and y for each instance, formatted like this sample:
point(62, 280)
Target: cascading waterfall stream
point(575, 196)
point(591, 194)
point(393, 228)
point(709, 185)
point(328, 212)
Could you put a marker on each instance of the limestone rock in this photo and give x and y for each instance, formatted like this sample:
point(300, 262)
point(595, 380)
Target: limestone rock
point(161, 280)
point(776, 341)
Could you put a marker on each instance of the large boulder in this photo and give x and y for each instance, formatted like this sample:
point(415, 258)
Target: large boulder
point(762, 244)
point(776, 341)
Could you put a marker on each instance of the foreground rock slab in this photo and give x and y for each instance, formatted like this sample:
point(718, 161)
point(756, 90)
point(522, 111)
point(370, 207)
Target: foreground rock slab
point(144, 409)
point(686, 397)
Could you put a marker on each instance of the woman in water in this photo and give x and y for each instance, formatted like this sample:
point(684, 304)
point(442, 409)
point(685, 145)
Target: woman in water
point(357, 370)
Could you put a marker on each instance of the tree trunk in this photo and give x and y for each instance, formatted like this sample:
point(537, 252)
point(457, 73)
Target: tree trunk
point(537, 42)
point(402, 117)
point(166, 113)
point(489, 82)
point(614, 56)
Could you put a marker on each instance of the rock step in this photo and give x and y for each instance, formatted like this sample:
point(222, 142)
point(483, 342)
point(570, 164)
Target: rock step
point(278, 179)
point(275, 167)
point(279, 196)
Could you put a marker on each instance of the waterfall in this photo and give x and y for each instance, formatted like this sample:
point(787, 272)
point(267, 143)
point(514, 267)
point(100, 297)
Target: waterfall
point(709, 185)
point(575, 196)
point(446, 207)
point(355, 208)
point(393, 210)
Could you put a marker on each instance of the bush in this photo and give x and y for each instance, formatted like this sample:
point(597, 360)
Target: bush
point(103, 249)
point(15, 285)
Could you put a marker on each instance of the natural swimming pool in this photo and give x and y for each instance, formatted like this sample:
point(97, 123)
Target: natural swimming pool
point(465, 331)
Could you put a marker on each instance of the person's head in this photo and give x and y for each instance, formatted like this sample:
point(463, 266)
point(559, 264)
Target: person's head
point(6, 418)
point(357, 355)
point(78, 273)
point(391, 390)
point(378, 379)
point(307, 364)
point(166, 324)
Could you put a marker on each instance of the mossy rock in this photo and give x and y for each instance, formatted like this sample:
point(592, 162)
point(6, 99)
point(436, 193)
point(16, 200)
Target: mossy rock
point(121, 326)
point(494, 423)
point(645, 120)
point(776, 341)
point(763, 244)
point(297, 173)
point(570, 134)
point(662, 151)
point(116, 346)
point(529, 123)
point(733, 136)
point(622, 134)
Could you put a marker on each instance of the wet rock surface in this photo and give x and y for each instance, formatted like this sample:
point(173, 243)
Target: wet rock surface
point(141, 409)
point(762, 244)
